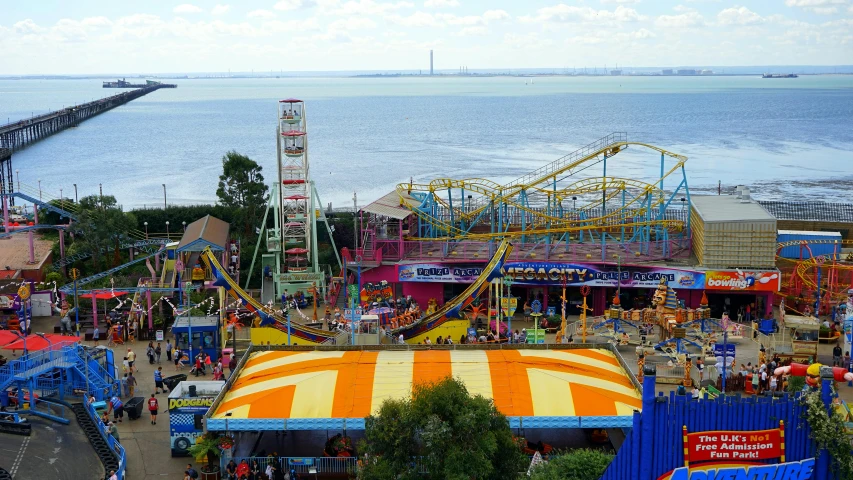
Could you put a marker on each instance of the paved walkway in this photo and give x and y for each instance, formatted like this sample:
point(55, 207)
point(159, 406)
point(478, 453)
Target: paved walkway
point(147, 445)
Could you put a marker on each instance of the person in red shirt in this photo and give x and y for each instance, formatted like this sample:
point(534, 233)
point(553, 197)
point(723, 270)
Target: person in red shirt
point(153, 406)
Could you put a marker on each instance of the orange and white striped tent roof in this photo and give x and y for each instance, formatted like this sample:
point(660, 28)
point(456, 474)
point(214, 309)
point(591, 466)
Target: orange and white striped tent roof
point(353, 384)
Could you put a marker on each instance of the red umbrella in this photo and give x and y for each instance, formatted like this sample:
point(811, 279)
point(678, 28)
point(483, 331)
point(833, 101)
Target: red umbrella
point(104, 295)
point(7, 336)
point(296, 251)
point(35, 342)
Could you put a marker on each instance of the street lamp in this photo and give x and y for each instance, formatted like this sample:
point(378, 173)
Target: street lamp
point(18, 177)
point(39, 189)
point(184, 223)
point(75, 194)
point(146, 230)
point(167, 229)
point(164, 199)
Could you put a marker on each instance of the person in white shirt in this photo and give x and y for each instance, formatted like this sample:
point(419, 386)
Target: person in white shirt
point(695, 392)
point(402, 341)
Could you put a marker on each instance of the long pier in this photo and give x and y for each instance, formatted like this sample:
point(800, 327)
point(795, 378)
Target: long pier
point(17, 135)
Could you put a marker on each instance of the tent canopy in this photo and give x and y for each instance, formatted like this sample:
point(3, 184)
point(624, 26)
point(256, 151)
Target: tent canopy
point(104, 295)
point(547, 388)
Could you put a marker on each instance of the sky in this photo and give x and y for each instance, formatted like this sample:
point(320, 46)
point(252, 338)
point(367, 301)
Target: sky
point(157, 36)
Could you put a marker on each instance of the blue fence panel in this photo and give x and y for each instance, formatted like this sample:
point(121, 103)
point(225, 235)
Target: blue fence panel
point(669, 414)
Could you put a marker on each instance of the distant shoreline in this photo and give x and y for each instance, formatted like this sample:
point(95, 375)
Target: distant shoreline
point(411, 75)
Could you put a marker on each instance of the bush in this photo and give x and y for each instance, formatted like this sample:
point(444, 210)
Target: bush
point(573, 465)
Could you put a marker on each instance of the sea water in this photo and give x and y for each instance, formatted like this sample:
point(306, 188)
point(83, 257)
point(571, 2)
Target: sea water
point(789, 139)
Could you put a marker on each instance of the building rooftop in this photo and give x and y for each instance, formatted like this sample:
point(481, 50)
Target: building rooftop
point(205, 232)
point(15, 252)
point(810, 211)
point(728, 208)
point(389, 206)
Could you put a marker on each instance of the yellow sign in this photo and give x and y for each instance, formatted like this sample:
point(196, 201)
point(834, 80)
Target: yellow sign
point(24, 292)
point(509, 305)
point(189, 402)
point(74, 274)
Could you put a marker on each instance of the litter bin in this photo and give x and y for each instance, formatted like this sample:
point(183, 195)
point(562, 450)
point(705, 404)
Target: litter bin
point(133, 407)
point(173, 381)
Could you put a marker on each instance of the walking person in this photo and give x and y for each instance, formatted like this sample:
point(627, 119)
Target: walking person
point(131, 358)
point(700, 366)
point(131, 383)
point(117, 408)
point(95, 334)
point(149, 351)
point(191, 471)
point(157, 352)
point(153, 407)
point(836, 355)
point(168, 350)
point(158, 381)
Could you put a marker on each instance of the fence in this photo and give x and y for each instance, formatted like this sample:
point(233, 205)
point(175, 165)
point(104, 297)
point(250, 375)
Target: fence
point(654, 445)
point(300, 464)
point(115, 446)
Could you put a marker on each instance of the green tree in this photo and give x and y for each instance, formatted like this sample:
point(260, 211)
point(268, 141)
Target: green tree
point(456, 435)
point(102, 226)
point(580, 464)
point(242, 185)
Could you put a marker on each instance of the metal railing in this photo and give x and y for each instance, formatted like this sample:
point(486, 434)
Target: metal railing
point(300, 464)
point(636, 252)
point(114, 444)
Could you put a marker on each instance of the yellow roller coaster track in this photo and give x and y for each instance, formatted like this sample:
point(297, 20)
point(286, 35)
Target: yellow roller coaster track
point(803, 267)
point(535, 185)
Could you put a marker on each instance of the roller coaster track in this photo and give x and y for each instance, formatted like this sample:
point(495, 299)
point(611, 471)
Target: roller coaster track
point(804, 266)
point(143, 245)
point(547, 216)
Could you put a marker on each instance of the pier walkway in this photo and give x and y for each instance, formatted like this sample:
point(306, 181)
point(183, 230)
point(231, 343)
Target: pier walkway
point(17, 135)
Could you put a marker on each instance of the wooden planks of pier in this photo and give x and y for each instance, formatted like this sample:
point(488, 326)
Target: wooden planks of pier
point(18, 135)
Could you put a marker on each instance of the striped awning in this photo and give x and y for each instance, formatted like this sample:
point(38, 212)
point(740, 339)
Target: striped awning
point(562, 386)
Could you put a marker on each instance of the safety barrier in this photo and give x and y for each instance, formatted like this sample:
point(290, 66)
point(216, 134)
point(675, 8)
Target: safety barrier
point(115, 447)
point(654, 445)
point(300, 464)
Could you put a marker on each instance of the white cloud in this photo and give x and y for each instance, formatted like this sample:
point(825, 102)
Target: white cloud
point(820, 7)
point(187, 8)
point(491, 15)
point(441, 3)
point(573, 14)
point(642, 34)
point(359, 7)
point(528, 41)
point(352, 23)
point(683, 8)
point(739, 16)
point(287, 4)
point(684, 20)
point(260, 13)
point(620, 1)
point(472, 31)
point(423, 19)
point(220, 9)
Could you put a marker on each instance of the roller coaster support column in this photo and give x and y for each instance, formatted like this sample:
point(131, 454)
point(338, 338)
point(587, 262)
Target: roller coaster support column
point(94, 309)
point(603, 207)
point(647, 428)
point(148, 306)
point(32, 248)
point(62, 246)
point(827, 379)
point(5, 214)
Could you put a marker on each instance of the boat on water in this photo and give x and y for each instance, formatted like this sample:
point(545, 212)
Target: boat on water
point(779, 75)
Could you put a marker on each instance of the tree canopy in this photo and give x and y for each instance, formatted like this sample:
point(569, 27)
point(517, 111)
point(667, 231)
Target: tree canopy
point(101, 225)
point(455, 435)
point(580, 464)
point(241, 183)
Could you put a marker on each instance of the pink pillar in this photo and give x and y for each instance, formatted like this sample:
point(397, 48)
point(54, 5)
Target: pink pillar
point(62, 244)
point(32, 247)
point(6, 214)
point(131, 254)
point(148, 301)
point(36, 214)
point(157, 262)
point(94, 309)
